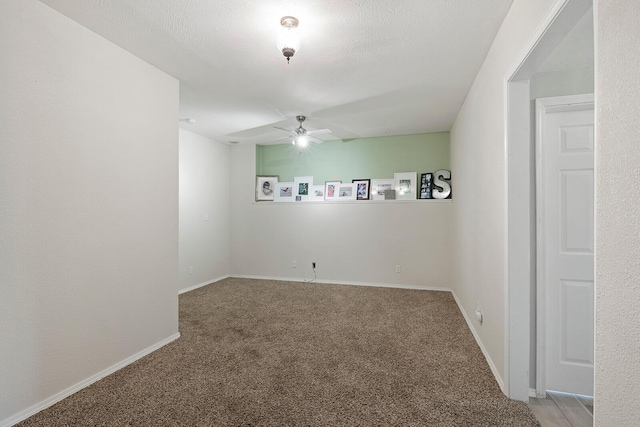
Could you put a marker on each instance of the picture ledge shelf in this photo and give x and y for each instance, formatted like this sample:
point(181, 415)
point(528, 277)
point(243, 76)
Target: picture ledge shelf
point(353, 202)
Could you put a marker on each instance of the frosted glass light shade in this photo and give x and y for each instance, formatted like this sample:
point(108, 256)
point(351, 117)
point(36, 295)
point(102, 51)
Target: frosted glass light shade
point(288, 39)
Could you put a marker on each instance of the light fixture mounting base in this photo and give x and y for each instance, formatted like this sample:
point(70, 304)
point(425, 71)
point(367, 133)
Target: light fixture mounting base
point(289, 21)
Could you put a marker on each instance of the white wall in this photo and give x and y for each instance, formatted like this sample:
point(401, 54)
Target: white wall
point(478, 157)
point(569, 68)
point(355, 242)
point(89, 196)
point(204, 210)
point(617, 380)
point(561, 83)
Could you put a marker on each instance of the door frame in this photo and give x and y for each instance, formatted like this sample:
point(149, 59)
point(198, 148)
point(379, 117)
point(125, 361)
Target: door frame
point(545, 106)
point(520, 240)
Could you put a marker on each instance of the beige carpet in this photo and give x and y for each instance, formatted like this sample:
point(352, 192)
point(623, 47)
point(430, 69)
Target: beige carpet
point(270, 353)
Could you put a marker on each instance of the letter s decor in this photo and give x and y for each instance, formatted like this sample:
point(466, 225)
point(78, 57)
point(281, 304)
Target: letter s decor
point(441, 188)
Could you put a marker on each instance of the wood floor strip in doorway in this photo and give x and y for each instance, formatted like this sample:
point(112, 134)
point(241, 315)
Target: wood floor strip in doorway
point(563, 410)
point(572, 408)
point(548, 413)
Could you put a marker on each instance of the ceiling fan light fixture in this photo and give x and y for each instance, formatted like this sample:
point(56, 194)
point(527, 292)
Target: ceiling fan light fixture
point(302, 137)
point(288, 39)
point(303, 141)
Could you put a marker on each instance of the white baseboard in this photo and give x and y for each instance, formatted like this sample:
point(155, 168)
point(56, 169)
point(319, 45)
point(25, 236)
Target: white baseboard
point(23, 415)
point(344, 282)
point(492, 365)
point(199, 285)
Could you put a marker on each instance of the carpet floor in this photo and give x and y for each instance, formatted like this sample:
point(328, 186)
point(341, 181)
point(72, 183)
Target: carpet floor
point(272, 353)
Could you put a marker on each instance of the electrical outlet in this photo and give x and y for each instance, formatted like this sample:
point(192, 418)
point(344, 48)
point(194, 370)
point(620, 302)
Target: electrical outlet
point(397, 269)
point(313, 264)
point(190, 270)
point(293, 264)
point(479, 316)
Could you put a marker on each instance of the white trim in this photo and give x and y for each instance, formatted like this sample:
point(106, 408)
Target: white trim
point(534, 393)
point(343, 282)
point(526, 53)
point(546, 106)
point(199, 285)
point(23, 415)
point(492, 365)
point(518, 217)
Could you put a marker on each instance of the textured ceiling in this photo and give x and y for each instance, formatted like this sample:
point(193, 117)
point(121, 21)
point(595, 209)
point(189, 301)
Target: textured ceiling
point(364, 68)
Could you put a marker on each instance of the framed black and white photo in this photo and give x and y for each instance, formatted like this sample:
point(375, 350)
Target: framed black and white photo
point(331, 190)
point(426, 183)
point(265, 185)
point(284, 192)
point(362, 188)
point(405, 183)
point(379, 186)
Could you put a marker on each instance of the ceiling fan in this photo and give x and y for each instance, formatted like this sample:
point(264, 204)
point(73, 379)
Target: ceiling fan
point(301, 136)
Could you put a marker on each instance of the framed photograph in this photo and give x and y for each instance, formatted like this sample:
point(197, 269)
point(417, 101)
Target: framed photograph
point(379, 186)
point(316, 194)
point(265, 185)
point(426, 183)
point(331, 190)
point(362, 188)
point(302, 187)
point(284, 192)
point(347, 191)
point(406, 184)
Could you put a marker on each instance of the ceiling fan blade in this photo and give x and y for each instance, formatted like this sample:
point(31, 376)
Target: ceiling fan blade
point(315, 140)
point(286, 130)
point(284, 137)
point(319, 132)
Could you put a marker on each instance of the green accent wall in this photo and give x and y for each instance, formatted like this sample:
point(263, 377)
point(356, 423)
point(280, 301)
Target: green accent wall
point(361, 158)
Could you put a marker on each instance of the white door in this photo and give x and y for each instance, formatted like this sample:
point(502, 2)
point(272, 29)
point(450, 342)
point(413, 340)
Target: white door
point(565, 214)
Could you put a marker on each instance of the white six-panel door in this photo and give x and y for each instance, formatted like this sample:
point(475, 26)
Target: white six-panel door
point(565, 214)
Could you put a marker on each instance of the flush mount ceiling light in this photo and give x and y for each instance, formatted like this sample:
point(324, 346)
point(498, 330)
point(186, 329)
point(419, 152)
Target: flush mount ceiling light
point(288, 39)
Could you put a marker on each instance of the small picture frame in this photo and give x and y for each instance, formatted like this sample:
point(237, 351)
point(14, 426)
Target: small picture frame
point(302, 187)
point(284, 192)
point(316, 194)
point(379, 186)
point(347, 191)
point(331, 190)
point(362, 188)
point(389, 194)
point(426, 184)
point(265, 187)
point(405, 185)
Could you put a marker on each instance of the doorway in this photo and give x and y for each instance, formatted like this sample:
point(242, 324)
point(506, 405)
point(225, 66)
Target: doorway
point(521, 273)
